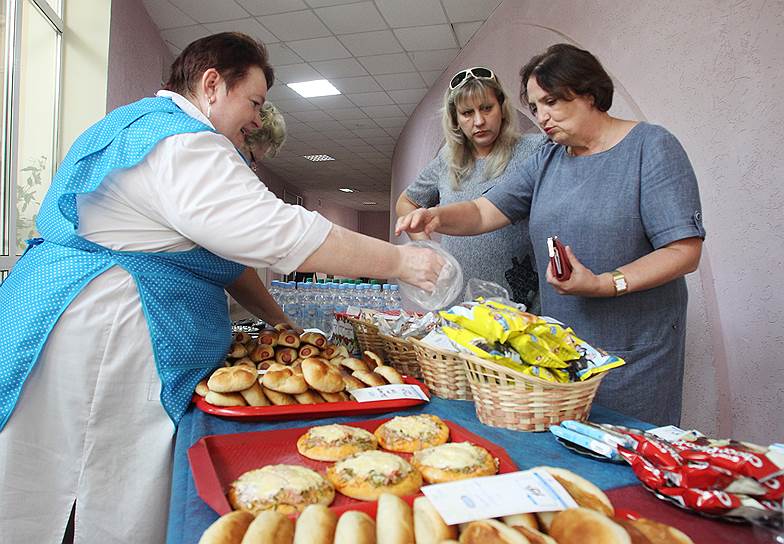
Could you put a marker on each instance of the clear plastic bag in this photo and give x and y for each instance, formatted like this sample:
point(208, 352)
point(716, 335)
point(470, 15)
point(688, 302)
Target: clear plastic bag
point(448, 286)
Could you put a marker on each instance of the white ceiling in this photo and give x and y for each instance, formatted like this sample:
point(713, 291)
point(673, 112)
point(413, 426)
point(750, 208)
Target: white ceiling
point(383, 55)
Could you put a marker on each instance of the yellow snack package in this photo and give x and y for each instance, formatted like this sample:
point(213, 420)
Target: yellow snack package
point(536, 351)
point(557, 338)
point(483, 349)
point(548, 374)
point(591, 360)
point(493, 324)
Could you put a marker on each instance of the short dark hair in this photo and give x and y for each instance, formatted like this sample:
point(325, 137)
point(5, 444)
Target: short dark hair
point(230, 53)
point(566, 71)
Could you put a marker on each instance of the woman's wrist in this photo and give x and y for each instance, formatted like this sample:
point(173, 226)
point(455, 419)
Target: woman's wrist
point(605, 285)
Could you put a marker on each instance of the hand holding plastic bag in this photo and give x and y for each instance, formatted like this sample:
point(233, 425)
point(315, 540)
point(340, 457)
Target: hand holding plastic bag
point(448, 286)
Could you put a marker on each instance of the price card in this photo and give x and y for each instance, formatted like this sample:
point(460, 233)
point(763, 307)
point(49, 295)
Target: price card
point(671, 433)
point(389, 392)
point(495, 496)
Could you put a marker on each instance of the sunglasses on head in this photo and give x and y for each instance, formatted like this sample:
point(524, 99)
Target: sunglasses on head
point(464, 76)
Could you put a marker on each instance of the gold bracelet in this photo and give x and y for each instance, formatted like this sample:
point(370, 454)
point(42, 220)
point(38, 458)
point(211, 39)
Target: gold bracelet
point(619, 281)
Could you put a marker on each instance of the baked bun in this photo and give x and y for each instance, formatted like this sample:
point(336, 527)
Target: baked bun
point(279, 399)
point(389, 374)
point(288, 339)
point(285, 356)
point(340, 352)
point(296, 367)
point(372, 359)
point(490, 531)
point(262, 352)
point(268, 337)
point(429, 526)
point(583, 492)
point(534, 536)
point(231, 379)
point(354, 364)
point(225, 399)
point(201, 388)
point(227, 529)
point(352, 383)
point(454, 461)
point(284, 381)
point(315, 525)
point(355, 528)
point(370, 379)
point(287, 489)
point(314, 339)
point(270, 528)
point(282, 327)
point(586, 526)
point(308, 351)
point(412, 433)
point(245, 361)
point(254, 395)
point(309, 397)
point(242, 338)
point(321, 376)
point(330, 351)
point(521, 520)
point(545, 520)
point(366, 475)
point(659, 533)
point(394, 521)
point(340, 396)
point(237, 351)
point(335, 442)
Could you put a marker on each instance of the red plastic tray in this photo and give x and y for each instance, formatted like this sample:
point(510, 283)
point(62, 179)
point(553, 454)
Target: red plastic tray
point(311, 411)
point(217, 460)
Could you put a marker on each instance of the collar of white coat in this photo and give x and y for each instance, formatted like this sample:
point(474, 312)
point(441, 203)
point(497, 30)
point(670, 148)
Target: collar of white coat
point(185, 105)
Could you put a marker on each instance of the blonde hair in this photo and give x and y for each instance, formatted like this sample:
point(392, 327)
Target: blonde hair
point(271, 134)
point(460, 149)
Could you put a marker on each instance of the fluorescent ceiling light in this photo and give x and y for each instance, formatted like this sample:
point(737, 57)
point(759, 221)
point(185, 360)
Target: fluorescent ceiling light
point(346, 190)
point(318, 87)
point(319, 158)
point(370, 203)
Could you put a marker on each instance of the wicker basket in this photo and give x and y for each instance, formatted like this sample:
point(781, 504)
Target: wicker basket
point(366, 335)
point(401, 355)
point(443, 371)
point(505, 398)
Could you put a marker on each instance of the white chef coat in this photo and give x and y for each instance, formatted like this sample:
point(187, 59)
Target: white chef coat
point(89, 425)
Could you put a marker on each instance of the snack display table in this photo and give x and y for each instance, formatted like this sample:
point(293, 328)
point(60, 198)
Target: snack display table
point(189, 516)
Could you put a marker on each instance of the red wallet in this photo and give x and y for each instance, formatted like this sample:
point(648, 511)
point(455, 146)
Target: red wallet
point(562, 270)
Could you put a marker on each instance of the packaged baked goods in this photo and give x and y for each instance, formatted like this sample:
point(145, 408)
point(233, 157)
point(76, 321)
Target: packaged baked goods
point(492, 323)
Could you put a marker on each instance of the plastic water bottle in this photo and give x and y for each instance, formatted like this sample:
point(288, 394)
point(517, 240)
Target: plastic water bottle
point(274, 289)
point(396, 301)
point(309, 308)
point(294, 307)
point(375, 300)
point(318, 305)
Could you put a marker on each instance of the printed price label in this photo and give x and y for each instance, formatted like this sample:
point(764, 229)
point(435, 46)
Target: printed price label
point(389, 392)
point(495, 496)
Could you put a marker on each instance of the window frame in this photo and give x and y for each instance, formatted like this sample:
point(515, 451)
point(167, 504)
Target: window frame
point(11, 121)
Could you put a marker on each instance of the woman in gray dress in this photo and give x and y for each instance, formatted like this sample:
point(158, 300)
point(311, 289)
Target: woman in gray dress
point(623, 195)
point(482, 147)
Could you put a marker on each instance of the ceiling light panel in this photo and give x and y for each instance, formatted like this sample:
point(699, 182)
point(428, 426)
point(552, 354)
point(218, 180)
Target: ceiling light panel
point(318, 87)
point(319, 158)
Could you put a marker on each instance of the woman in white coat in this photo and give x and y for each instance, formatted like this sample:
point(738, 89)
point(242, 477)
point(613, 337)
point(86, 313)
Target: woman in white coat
point(111, 317)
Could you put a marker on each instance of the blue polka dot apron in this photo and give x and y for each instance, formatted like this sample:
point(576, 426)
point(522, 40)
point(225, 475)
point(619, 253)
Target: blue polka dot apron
point(182, 293)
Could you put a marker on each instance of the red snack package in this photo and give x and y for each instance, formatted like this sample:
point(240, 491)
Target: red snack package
point(658, 452)
point(645, 471)
point(733, 457)
point(708, 501)
point(774, 488)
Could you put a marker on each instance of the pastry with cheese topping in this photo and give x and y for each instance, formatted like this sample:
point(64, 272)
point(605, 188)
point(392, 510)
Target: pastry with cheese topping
point(334, 442)
point(284, 488)
point(366, 475)
point(412, 433)
point(454, 461)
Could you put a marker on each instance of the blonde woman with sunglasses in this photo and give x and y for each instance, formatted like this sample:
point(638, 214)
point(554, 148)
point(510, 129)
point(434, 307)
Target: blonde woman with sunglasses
point(480, 130)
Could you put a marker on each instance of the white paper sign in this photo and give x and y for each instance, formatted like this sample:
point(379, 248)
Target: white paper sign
point(389, 392)
point(671, 433)
point(500, 495)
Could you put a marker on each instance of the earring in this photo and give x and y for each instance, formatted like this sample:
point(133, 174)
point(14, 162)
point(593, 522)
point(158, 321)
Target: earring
point(209, 107)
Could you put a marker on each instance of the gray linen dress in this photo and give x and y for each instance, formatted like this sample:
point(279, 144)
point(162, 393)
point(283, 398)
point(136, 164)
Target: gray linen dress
point(504, 256)
point(612, 208)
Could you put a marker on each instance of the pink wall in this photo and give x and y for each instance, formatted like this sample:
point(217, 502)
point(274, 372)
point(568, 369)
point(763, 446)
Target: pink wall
point(375, 224)
point(138, 58)
point(340, 215)
point(710, 73)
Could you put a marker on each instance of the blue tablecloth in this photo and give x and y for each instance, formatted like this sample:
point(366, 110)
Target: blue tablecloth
point(189, 516)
